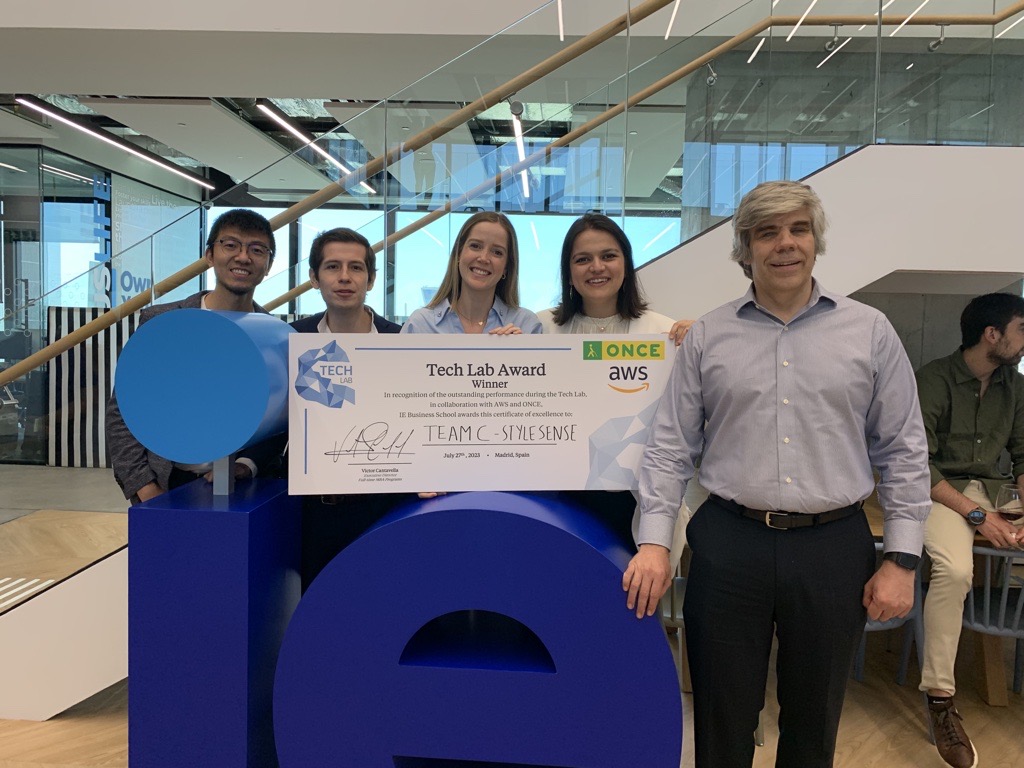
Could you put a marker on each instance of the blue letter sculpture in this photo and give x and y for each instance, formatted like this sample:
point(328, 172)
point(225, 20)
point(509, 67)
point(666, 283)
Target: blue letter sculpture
point(489, 628)
point(483, 629)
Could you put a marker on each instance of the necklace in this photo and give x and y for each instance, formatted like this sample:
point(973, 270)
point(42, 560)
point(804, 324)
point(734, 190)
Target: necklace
point(469, 320)
point(585, 324)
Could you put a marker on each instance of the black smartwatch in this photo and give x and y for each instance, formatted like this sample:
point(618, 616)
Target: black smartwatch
point(903, 559)
point(976, 516)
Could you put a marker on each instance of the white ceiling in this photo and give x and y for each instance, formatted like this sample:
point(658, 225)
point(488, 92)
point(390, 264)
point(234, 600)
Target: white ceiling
point(215, 136)
point(330, 50)
point(411, 17)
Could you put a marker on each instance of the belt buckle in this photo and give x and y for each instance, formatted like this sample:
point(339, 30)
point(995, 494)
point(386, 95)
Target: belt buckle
point(768, 521)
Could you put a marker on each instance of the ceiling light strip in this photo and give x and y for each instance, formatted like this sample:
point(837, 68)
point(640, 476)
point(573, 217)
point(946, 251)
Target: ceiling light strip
point(561, 23)
point(62, 172)
point(675, 10)
point(801, 21)
point(109, 140)
point(757, 50)
point(310, 142)
point(838, 48)
point(517, 126)
point(912, 15)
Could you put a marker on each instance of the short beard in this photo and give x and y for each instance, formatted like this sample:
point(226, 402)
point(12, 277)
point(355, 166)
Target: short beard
point(997, 359)
point(237, 291)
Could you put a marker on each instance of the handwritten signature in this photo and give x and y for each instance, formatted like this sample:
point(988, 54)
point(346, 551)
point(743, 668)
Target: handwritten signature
point(371, 443)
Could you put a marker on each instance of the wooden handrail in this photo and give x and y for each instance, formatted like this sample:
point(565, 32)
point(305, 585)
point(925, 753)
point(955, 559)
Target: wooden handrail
point(370, 169)
point(466, 113)
point(632, 101)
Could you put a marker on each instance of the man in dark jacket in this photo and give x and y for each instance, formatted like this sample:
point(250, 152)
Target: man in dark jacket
point(343, 266)
point(240, 250)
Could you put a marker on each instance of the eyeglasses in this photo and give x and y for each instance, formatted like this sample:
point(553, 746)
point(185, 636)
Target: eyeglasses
point(233, 247)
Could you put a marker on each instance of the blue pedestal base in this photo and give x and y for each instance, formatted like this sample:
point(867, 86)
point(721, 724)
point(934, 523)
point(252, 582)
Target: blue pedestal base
point(212, 586)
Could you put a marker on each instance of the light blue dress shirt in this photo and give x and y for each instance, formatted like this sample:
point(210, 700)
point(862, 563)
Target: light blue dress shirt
point(443, 319)
point(791, 416)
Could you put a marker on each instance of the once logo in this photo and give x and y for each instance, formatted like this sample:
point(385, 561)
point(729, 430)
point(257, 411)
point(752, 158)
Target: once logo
point(623, 350)
point(326, 376)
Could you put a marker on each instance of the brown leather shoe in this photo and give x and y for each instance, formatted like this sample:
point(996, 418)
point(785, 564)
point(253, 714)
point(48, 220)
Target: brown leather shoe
point(948, 734)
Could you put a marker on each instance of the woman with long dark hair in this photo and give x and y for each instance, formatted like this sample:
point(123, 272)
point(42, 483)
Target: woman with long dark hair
point(601, 294)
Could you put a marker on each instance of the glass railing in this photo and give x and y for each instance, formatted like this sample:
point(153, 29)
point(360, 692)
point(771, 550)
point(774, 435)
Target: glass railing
point(383, 135)
point(747, 106)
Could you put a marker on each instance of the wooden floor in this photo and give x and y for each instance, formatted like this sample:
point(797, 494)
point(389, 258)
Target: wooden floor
point(50, 545)
point(883, 725)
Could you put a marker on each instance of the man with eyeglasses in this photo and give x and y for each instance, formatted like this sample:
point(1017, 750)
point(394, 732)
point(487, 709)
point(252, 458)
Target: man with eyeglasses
point(240, 250)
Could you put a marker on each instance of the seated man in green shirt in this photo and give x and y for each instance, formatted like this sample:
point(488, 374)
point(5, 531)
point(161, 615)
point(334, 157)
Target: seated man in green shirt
point(973, 407)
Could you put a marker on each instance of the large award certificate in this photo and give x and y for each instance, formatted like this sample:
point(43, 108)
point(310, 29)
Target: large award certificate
point(425, 412)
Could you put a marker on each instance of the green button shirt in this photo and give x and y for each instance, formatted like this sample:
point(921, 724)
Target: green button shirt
point(966, 432)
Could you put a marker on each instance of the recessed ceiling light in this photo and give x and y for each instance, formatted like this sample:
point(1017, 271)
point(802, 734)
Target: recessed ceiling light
point(103, 136)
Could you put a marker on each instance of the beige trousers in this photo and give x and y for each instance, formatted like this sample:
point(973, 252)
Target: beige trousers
point(948, 540)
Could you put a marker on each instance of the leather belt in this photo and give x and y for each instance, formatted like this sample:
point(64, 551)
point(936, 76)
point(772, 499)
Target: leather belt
point(787, 520)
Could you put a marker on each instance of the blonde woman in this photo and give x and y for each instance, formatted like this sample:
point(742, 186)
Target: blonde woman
point(480, 290)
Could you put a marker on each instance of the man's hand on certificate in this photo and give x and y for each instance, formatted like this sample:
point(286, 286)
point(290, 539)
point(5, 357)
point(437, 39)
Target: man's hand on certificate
point(646, 579)
point(889, 594)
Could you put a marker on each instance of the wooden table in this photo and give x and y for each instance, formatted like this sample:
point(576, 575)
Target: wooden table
point(988, 649)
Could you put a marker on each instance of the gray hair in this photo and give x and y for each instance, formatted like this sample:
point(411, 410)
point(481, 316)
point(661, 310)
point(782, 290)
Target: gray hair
point(770, 199)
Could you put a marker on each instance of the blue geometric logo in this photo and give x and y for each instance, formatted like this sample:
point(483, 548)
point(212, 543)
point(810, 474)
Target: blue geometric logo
point(324, 376)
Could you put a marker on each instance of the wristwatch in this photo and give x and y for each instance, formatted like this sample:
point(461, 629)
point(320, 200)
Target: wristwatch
point(976, 516)
point(903, 559)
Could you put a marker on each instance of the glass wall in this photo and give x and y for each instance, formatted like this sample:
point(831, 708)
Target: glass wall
point(69, 232)
point(139, 210)
point(20, 280)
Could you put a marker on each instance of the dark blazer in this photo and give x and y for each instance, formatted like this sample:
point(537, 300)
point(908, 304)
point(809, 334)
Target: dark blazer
point(309, 324)
point(134, 464)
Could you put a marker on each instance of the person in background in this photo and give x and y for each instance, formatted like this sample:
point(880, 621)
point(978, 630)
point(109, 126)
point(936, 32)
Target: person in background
point(793, 397)
point(600, 294)
point(240, 250)
point(973, 407)
point(480, 291)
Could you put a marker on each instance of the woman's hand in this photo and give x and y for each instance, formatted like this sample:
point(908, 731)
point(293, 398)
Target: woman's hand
point(506, 330)
point(679, 330)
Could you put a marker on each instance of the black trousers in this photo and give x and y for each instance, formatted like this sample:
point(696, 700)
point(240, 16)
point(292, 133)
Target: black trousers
point(748, 582)
point(327, 528)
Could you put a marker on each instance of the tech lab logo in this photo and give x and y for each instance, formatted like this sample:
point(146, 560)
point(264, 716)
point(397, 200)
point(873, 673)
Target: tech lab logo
point(629, 352)
point(325, 376)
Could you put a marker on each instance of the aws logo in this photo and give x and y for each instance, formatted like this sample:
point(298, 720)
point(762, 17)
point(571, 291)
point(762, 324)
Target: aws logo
point(326, 376)
point(627, 379)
